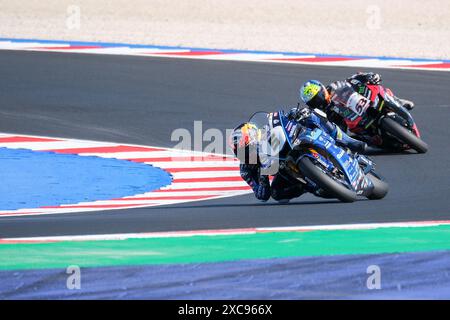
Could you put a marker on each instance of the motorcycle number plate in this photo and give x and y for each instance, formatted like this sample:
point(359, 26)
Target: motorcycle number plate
point(358, 104)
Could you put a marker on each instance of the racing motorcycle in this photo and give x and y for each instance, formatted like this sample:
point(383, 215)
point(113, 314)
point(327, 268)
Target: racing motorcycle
point(312, 158)
point(380, 116)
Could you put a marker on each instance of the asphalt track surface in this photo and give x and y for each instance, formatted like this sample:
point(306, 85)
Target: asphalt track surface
point(142, 100)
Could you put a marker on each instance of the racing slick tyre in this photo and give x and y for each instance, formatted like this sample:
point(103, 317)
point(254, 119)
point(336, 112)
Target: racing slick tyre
point(380, 188)
point(325, 182)
point(404, 135)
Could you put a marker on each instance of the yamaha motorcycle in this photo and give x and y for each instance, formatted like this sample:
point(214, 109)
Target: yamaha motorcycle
point(312, 158)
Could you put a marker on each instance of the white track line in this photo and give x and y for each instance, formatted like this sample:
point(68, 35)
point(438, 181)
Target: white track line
point(224, 232)
point(215, 54)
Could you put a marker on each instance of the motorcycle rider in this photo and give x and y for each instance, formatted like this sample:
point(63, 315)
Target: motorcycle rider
point(316, 95)
point(244, 143)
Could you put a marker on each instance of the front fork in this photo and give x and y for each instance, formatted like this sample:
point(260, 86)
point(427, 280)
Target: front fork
point(365, 162)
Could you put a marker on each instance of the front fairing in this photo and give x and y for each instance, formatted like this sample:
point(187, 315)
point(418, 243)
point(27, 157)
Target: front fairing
point(352, 106)
point(276, 133)
point(399, 110)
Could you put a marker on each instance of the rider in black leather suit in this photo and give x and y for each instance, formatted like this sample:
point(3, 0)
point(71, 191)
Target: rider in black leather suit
point(358, 81)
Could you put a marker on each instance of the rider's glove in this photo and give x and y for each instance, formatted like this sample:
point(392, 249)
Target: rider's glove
point(299, 113)
point(261, 192)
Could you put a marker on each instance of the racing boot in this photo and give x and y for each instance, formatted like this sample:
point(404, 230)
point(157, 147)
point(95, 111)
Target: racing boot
point(285, 194)
point(323, 194)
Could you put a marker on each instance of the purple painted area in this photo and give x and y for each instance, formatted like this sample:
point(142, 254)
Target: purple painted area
point(403, 276)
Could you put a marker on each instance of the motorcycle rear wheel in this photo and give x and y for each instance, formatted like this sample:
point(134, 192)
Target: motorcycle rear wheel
point(325, 182)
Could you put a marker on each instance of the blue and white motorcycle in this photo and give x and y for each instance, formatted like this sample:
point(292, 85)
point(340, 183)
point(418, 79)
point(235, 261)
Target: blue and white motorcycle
point(312, 158)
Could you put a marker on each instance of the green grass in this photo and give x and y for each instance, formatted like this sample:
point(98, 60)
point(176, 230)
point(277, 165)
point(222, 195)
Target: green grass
point(199, 249)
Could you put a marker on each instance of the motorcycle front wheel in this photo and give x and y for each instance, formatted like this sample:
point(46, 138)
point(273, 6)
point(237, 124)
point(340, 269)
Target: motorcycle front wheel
point(380, 188)
point(404, 135)
point(331, 186)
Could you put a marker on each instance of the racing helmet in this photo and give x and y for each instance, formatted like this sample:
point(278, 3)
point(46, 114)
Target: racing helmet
point(315, 95)
point(243, 142)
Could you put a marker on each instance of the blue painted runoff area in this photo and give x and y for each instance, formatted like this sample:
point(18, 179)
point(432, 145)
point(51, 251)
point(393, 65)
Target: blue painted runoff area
point(31, 179)
point(419, 275)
